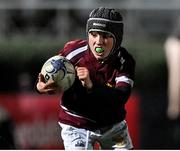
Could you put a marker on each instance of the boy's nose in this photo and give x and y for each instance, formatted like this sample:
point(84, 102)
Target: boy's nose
point(99, 39)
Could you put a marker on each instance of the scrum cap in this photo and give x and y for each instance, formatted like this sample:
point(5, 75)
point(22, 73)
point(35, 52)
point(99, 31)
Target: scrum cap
point(106, 20)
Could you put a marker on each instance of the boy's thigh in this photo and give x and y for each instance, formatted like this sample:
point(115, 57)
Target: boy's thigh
point(74, 138)
point(117, 138)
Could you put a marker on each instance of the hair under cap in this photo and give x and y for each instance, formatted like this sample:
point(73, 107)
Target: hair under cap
point(106, 20)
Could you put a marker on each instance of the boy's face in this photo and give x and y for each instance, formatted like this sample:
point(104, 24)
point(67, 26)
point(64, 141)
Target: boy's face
point(100, 44)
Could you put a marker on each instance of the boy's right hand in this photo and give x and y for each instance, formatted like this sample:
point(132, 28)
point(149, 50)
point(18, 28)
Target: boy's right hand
point(46, 87)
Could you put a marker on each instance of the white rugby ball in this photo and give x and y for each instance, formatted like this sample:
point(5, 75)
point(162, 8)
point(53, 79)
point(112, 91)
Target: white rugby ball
point(60, 70)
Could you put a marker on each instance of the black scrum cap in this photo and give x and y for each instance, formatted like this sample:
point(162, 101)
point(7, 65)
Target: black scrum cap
point(106, 20)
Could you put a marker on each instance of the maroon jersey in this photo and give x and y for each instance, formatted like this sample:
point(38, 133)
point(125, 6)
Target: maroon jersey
point(112, 83)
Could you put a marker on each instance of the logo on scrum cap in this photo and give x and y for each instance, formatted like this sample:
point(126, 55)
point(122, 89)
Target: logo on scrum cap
point(99, 24)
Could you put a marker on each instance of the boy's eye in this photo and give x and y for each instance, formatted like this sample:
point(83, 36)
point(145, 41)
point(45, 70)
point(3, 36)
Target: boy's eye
point(94, 34)
point(107, 35)
point(104, 35)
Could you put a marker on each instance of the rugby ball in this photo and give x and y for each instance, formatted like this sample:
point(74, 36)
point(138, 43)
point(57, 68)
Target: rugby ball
point(60, 70)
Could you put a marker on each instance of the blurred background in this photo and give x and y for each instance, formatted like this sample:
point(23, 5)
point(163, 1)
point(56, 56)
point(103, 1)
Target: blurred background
point(31, 31)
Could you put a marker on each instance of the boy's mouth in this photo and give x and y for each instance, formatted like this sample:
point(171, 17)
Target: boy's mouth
point(99, 49)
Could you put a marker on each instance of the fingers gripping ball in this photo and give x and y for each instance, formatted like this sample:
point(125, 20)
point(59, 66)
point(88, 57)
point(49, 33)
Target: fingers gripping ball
point(60, 70)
